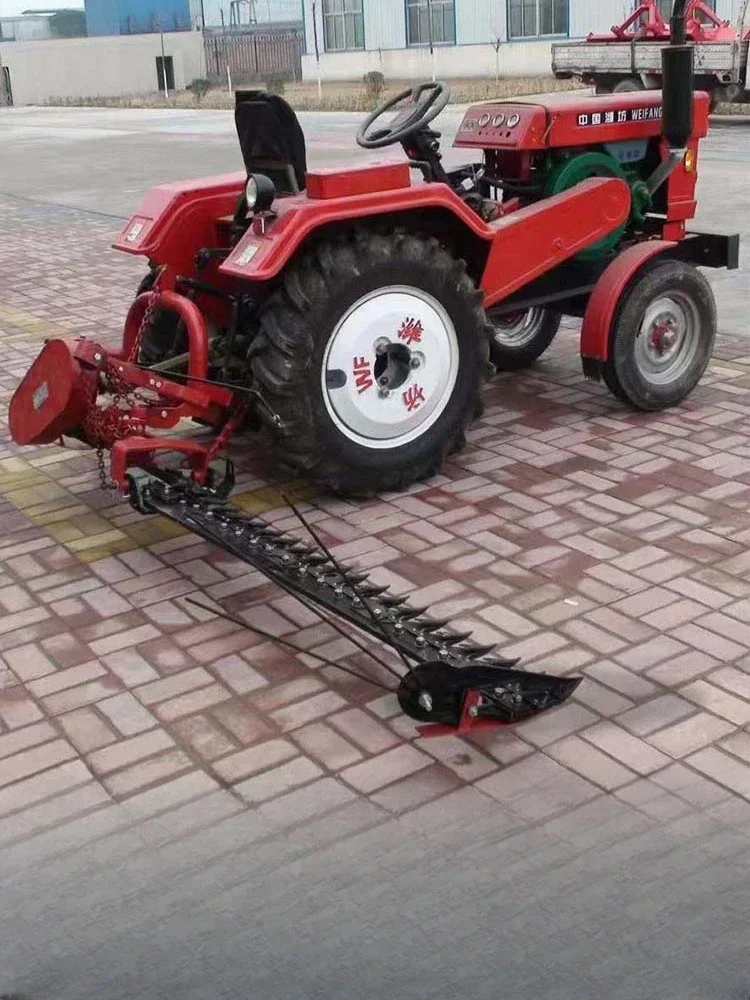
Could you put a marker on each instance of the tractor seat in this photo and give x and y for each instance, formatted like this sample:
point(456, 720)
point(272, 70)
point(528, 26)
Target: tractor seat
point(271, 139)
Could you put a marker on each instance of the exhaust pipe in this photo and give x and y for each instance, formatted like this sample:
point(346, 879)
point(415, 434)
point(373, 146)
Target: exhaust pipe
point(678, 76)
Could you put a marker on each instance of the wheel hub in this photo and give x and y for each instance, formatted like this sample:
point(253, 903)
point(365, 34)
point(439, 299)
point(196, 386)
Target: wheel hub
point(390, 367)
point(667, 340)
point(517, 329)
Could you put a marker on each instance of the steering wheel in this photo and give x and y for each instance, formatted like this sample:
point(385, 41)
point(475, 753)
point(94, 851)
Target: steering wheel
point(422, 104)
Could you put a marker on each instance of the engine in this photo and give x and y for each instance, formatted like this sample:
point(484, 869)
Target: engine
point(536, 149)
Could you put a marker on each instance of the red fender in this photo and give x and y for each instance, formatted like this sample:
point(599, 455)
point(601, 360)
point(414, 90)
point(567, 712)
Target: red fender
point(604, 299)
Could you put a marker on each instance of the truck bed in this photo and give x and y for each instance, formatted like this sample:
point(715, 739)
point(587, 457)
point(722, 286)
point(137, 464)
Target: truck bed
point(577, 58)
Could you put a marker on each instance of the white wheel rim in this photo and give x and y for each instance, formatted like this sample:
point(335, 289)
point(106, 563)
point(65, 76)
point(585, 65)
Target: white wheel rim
point(402, 335)
point(516, 330)
point(668, 339)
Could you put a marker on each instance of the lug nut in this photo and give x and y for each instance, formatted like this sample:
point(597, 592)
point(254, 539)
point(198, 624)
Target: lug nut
point(381, 345)
point(384, 393)
point(414, 363)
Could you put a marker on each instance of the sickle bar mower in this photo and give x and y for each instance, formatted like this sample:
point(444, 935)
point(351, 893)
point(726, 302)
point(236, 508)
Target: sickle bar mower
point(354, 315)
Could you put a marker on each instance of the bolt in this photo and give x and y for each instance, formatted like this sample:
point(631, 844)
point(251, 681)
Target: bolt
point(158, 385)
point(152, 381)
point(97, 357)
point(383, 393)
point(383, 380)
point(381, 345)
point(414, 363)
point(425, 701)
point(164, 413)
point(473, 711)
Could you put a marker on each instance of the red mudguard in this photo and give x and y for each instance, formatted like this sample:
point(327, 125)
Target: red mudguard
point(605, 297)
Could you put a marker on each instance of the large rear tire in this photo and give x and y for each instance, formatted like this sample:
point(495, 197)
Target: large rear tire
point(662, 337)
point(372, 352)
point(519, 338)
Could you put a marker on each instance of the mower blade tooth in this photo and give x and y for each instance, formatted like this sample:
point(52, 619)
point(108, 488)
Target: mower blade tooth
point(300, 549)
point(317, 558)
point(478, 652)
point(432, 625)
point(454, 638)
point(409, 614)
point(371, 590)
point(390, 601)
point(356, 578)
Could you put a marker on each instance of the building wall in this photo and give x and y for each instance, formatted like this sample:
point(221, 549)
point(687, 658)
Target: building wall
point(124, 17)
point(479, 24)
point(98, 67)
point(25, 28)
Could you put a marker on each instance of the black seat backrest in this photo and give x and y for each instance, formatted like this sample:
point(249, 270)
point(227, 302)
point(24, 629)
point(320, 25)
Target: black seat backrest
point(271, 139)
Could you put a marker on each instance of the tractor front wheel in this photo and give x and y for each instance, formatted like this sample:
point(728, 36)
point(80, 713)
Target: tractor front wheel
point(662, 336)
point(519, 338)
point(372, 353)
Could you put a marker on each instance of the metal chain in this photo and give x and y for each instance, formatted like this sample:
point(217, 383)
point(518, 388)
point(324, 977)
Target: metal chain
point(122, 393)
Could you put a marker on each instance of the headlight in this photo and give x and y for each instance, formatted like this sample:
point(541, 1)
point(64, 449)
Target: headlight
point(259, 193)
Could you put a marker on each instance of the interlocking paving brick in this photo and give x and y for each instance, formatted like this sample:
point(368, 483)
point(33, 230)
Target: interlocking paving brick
point(258, 758)
point(86, 730)
point(656, 714)
point(719, 702)
point(620, 679)
point(656, 802)
point(17, 709)
point(22, 739)
point(126, 714)
point(386, 768)
point(724, 769)
point(28, 662)
point(269, 784)
point(537, 788)
point(299, 714)
point(128, 751)
point(41, 758)
point(690, 735)
point(203, 736)
point(130, 667)
point(590, 763)
point(552, 726)
point(624, 747)
point(606, 534)
point(63, 679)
point(146, 772)
point(171, 687)
point(25, 793)
point(690, 786)
point(326, 746)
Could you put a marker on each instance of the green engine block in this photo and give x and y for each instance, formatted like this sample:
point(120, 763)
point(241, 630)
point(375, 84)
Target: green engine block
point(564, 169)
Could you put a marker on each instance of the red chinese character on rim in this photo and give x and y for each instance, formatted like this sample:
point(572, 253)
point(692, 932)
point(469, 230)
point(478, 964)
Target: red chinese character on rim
point(411, 331)
point(413, 397)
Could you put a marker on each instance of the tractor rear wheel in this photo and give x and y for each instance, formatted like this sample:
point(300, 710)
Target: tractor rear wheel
point(662, 336)
point(629, 85)
point(519, 338)
point(372, 352)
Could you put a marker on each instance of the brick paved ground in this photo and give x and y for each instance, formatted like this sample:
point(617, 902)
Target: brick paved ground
point(574, 533)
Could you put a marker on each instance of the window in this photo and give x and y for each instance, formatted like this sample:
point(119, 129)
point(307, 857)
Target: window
point(666, 7)
point(534, 18)
point(165, 66)
point(343, 25)
point(440, 14)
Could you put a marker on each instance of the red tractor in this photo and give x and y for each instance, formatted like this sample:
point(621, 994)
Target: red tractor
point(355, 314)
